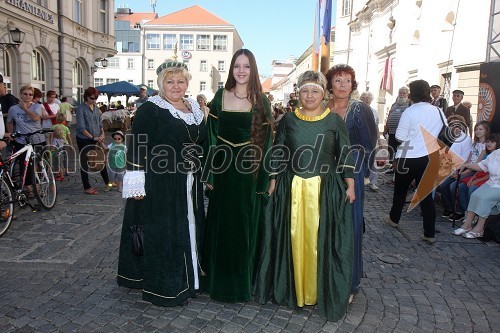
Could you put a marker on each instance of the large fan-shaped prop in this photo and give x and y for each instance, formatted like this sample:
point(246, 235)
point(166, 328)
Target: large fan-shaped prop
point(487, 103)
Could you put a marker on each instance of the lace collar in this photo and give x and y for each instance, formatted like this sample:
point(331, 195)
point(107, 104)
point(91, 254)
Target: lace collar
point(196, 117)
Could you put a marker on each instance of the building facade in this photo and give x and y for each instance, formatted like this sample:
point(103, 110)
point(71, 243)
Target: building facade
point(200, 39)
point(390, 43)
point(63, 40)
point(284, 85)
point(128, 63)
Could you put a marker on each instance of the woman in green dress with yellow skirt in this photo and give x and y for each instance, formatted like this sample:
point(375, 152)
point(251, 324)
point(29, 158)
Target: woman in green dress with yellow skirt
point(307, 238)
point(239, 136)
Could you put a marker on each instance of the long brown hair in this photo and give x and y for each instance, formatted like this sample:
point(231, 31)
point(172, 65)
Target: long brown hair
point(255, 96)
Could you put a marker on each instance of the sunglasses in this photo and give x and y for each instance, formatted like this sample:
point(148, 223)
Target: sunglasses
point(27, 94)
point(93, 98)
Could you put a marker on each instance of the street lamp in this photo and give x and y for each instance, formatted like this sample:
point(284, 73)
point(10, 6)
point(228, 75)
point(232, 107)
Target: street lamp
point(99, 63)
point(16, 36)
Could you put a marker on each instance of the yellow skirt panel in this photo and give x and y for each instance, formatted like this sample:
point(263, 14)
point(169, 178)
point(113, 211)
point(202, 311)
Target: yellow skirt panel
point(304, 235)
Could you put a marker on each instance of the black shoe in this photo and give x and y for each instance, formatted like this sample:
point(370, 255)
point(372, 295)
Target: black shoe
point(446, 213)
point(457, 217)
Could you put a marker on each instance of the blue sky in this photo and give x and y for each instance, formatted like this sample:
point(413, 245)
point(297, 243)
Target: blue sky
point(272, 29)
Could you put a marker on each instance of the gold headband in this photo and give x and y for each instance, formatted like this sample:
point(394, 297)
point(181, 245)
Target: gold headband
point(311, 84)
point(169, 64)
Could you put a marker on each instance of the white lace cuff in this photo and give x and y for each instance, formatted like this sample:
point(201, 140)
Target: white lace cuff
point(133, 184)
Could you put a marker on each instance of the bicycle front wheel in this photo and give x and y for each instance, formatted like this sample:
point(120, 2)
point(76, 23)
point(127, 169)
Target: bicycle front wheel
point(45, 189)
point(6, 207)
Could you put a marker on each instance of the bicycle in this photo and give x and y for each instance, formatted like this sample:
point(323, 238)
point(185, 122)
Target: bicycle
point(11, 192)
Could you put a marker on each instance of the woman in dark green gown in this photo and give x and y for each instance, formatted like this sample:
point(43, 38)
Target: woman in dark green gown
point(164, 193)
point(239, 123)
point(307, 241)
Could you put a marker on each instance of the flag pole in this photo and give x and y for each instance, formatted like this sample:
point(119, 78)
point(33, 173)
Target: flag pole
point(316, 36)
point(315, 61)
point(325, 55)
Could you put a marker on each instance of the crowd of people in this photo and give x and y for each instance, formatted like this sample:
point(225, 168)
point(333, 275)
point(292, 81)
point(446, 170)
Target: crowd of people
point(285, 185)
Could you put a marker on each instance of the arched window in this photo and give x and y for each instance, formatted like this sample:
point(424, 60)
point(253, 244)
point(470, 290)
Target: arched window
point(77, 82)
point(38, 71)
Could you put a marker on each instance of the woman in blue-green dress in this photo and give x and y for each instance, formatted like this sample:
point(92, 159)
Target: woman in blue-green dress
point(363, 135)
point(307, 240)
point(239, 136)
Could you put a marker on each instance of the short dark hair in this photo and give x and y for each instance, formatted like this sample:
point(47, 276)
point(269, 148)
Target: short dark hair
point(50, 93)
point(37, 93)
point(420, 91)
point(458, 91)
point(495, 137)
point(90, 91)
point(435, 86)
point(340, 69)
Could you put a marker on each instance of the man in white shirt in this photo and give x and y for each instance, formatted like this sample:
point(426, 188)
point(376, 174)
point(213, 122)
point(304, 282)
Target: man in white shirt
point(418, 153)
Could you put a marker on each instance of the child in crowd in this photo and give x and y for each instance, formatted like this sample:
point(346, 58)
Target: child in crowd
point(471, 183)
point(116, 159)
point(449, 185)
point(485, 198)
point(60, 139)
point(59, 160)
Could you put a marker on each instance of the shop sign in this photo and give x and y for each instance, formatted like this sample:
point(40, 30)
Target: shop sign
point(33, 9)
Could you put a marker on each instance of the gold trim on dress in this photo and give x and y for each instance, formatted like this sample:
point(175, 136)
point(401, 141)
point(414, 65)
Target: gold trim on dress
point(180, 292)
point(136, 165)
point(223, 93)
point(347, 166)
point(126, 278)
point(231, 143)
point(315, 118)
point(237, 111)
point(273, 174)
point(212, 115)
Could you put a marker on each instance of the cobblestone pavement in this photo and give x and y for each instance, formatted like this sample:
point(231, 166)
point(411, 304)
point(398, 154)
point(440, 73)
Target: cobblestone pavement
point(58, 270)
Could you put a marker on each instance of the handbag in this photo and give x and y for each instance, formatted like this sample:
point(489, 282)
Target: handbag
point(96, 157)
point(137, 240)
point(446, 135)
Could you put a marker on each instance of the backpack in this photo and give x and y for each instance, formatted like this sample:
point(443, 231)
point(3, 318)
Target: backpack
point(492, 229)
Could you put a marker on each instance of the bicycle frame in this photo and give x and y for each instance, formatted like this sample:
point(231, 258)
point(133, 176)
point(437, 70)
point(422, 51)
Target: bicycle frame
point(28, 148)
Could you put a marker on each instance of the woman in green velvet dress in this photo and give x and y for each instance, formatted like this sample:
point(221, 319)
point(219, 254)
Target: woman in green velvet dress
point(307, 240)
point(239, 136)
point(164, 193)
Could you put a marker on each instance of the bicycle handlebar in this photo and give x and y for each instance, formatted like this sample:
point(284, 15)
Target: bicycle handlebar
point(17, 134)
point(42, 131)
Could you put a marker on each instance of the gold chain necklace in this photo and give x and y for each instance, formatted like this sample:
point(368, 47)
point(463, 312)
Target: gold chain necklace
point(187, 130)
point(178, 116)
